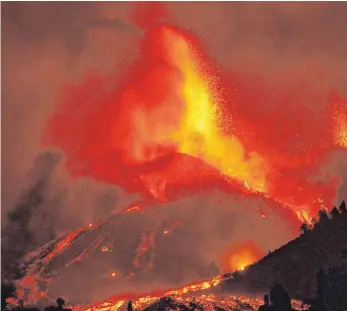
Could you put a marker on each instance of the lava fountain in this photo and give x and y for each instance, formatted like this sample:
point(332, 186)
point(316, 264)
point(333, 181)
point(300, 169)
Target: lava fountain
point(174, 126)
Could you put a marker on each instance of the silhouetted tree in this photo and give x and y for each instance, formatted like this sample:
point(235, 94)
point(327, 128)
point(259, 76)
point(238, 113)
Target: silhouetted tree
point(8, 290)
point(280, 299)
point(304, 228)
point(314, 222)
point(130, 306)
point(60, 306)
point(236, 275)
point(266, 305)
point(323, 216)
point(343, 208)
point(334, 212)
point(60, 303)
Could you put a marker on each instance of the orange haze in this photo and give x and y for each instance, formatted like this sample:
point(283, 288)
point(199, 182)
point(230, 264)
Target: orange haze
point(239, 256)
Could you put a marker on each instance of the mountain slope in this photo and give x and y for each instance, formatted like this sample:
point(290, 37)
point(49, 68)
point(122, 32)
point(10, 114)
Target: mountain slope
point(296, 264)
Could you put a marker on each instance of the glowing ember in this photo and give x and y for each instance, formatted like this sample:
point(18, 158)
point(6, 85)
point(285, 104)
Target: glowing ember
point(113, 274)
point(340, 121)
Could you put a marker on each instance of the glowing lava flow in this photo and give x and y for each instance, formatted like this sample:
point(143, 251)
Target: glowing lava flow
point(184, 296)
point(37, 262)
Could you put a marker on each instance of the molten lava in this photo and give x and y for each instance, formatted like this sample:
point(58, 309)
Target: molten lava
point(239, 256)
point(184, 296)
point(174, 126)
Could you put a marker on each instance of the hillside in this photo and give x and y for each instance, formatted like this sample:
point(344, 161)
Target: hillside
point(296, 263)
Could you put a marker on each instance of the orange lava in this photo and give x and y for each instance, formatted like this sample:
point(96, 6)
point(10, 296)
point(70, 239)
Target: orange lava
point(174, 126)
point(239, 256)
point(183, 295)
point(36, 262)
point(140, 301)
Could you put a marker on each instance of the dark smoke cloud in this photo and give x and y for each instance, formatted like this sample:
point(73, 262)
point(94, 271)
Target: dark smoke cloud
point(48, 45)
point(51, 204)
point(22, 234)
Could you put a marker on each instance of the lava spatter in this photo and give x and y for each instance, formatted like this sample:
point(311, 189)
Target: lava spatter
point(174, 127)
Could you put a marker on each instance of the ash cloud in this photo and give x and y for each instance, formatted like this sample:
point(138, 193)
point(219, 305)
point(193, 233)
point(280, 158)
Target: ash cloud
point(20, 235)
point(48, 45)
point(51, 205)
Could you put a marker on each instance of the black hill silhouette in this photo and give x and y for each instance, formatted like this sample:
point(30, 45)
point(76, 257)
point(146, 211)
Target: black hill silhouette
point(296, 264)
point(331, 293)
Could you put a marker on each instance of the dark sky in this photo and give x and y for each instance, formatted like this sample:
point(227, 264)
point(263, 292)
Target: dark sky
point(47, 45)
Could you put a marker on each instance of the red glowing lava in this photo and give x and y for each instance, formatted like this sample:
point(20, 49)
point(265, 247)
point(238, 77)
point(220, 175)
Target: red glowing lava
point(173, 126)
point(238, 256)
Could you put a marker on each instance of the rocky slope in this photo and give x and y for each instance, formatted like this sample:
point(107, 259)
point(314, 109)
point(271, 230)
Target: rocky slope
point(296, 264)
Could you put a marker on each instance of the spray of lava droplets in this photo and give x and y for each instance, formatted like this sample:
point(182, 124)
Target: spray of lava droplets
point(174, 126)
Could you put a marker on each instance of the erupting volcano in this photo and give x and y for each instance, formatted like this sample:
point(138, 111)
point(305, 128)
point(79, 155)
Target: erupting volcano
point(173, 125)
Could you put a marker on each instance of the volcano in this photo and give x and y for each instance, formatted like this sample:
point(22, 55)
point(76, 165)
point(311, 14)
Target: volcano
point(174, 126)
point(175, 101)
point(145, 250)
